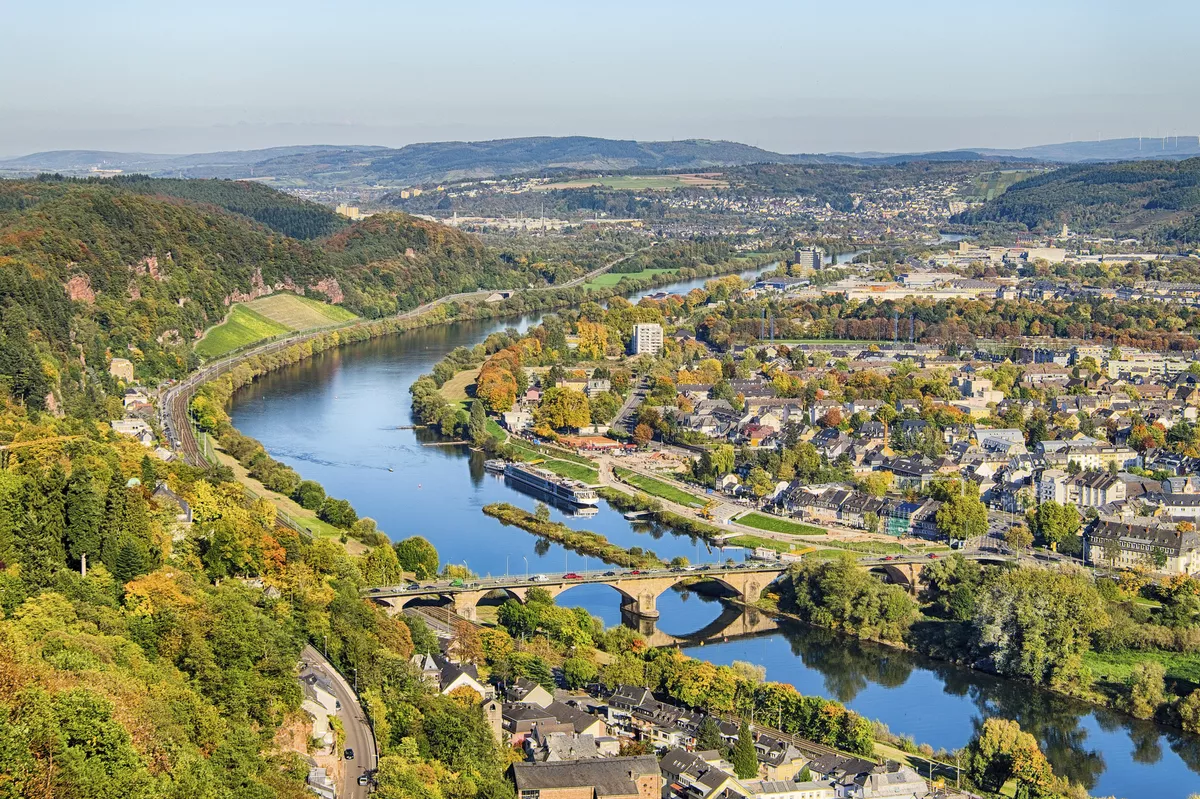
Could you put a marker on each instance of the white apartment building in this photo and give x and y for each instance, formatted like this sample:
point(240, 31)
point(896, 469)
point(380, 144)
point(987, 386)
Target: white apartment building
point(647, 338)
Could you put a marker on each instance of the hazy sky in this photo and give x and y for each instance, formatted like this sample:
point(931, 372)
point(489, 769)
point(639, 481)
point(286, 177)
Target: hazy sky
point(890, 75)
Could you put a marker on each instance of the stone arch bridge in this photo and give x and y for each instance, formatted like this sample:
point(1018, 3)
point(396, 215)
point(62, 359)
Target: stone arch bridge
point(639, 590)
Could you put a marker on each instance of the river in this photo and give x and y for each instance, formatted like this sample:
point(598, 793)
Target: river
point(336, 418)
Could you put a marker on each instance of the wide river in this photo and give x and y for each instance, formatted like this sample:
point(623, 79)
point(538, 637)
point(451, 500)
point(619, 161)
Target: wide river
point(337, 419)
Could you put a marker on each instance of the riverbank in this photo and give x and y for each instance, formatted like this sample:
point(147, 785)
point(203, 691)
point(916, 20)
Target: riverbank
point(582, 542)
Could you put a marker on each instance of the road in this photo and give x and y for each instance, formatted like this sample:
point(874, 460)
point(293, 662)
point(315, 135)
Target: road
point(358, 731)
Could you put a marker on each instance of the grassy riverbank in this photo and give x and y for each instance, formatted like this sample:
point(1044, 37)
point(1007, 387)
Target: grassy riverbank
point(657, 488)
point(775, 524)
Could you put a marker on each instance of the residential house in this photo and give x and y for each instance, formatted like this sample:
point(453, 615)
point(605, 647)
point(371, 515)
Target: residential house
point(529, 692)
point(691, 776)
point(600, 778)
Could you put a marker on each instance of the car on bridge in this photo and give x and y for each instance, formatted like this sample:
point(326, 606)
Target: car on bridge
point(572, 576)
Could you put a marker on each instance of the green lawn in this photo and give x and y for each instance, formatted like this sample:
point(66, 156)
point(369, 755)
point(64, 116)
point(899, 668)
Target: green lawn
point(241, 328)
point(267, 317)
point(753, 541)
point(561, 463)
point(774, 524)
point(610, 279)
point(1114, 667)
point(658, 488)
point(871, 547)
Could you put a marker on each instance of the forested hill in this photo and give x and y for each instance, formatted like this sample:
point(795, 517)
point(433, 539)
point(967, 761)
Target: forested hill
point(95, 269)
point(281, 212)
point(1158, 200)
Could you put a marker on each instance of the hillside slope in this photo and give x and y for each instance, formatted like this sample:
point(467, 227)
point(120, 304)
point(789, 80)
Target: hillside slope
point(97, 269)
point(1159, 200)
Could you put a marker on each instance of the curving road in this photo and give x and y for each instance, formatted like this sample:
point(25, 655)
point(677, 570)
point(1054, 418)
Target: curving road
point(359, 736)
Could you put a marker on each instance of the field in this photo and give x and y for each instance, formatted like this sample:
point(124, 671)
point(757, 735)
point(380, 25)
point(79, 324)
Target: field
point(610, 279)
point(242, 327)
point(658, 488)
point(774, 524)
point(754, 542)
point(644, 182)
point(991, 185)
point(455, 389)
point(300, 313)
point(266, 318)
point(1114, 667)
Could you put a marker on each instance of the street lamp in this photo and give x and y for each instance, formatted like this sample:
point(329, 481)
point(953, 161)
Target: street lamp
point(325, 648)
point(506, 557)
point(355, 679)
point(526, 567)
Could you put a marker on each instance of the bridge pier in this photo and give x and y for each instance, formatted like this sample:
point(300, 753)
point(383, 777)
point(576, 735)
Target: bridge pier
point(643, 605)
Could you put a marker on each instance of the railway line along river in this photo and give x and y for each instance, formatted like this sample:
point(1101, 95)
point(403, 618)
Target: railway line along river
point(336, 418)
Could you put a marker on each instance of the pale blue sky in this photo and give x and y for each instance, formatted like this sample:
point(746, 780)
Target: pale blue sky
point(794, 77)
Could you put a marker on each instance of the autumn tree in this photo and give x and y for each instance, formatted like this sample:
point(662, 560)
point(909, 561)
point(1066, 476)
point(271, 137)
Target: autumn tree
point(562, 408)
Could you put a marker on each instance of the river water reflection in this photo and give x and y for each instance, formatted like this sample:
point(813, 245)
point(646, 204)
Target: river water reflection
point(337, 419)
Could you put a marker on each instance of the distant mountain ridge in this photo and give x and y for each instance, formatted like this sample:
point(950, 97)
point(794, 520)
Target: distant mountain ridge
point(337, 165)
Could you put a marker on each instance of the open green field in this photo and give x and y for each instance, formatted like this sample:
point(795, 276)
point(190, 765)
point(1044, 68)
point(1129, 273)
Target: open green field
point(645, 182)
point(774, 524)
point(1114, 667)
point(300, 313)
point(991, 185)
point(242, 327)
point(455, 390)
point(754, 542)
point(266, 318)
point(657, 488)
point(610, 279)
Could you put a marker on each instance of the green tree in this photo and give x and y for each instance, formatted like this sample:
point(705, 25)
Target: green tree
point(1038, 624)
point(708, 736)
point(562, 408)
point(1000, 751)
point(962, 516)
point(579, 672)
point(310, 495)
point(744, 757)
point(85, 512)
point(43, 528)
point(477, 425)
point(337, 512)
point(1146, 690)
point(418, 556)
point(1018, 537)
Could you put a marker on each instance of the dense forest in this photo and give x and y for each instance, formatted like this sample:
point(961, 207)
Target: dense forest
point(139, 268)
point(1156, 199)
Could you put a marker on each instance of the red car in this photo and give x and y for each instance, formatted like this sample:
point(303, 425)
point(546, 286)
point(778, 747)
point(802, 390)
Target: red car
point(635, 571)
point(934, 556)
point(572, 576)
